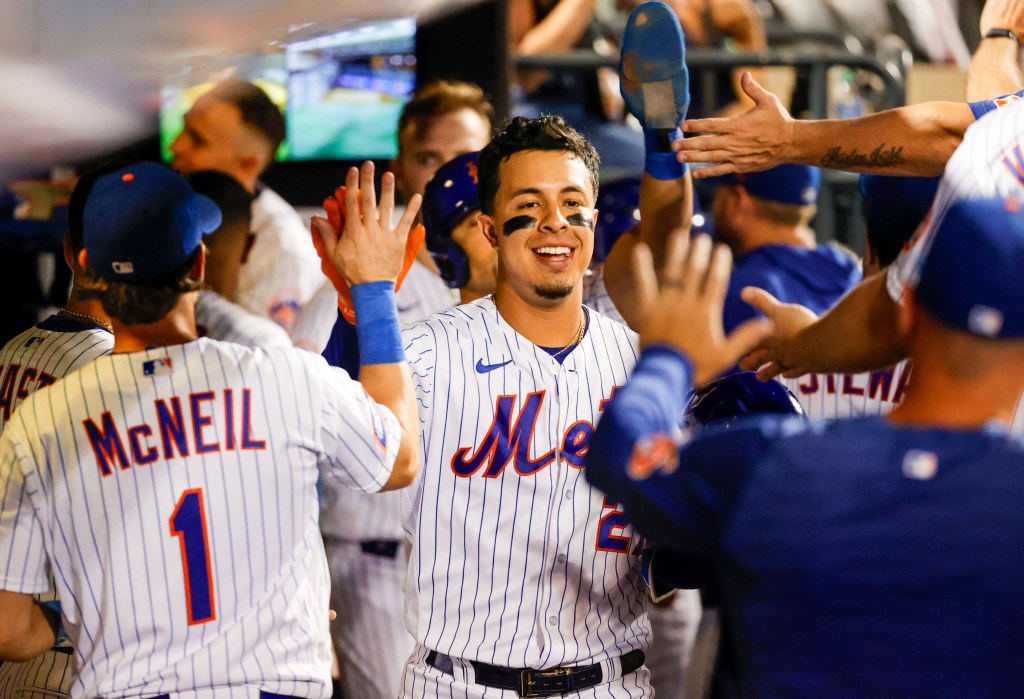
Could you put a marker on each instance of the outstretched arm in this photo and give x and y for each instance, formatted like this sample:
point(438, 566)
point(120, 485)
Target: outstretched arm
point(860, 333)
point(995, 68)
point(913, 140)
point(369, 254)
point(665, 205)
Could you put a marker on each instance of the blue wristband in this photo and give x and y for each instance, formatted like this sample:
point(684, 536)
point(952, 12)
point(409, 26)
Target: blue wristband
point(380, 341)
point(661, 162)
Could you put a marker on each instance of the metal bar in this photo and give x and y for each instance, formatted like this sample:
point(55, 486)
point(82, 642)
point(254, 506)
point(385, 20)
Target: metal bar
point(894, 89)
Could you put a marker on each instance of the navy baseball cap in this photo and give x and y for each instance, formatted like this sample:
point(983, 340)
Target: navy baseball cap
point(144, 221)
point(785, 184)
point(971, 276)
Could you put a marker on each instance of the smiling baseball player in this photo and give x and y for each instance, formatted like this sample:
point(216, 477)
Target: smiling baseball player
point(187, 560)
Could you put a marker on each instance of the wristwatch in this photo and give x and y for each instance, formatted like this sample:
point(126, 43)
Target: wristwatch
point(1000, 33)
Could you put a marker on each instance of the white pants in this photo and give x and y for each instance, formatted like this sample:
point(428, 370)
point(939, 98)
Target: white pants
point(369, 634)
point(674, 629)
point(422, 681)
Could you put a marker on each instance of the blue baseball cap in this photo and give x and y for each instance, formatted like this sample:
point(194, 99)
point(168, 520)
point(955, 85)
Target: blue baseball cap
point(785, 184)
point(971, 276)
point(144, 221)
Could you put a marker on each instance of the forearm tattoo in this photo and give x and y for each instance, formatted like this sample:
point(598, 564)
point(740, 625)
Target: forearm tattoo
point(880, 157)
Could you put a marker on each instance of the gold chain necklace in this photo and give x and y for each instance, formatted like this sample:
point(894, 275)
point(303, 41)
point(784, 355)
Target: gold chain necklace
point(85, 319)
point(576, 339)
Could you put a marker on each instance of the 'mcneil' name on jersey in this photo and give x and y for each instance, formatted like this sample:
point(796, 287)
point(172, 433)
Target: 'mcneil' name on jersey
point(174, 430)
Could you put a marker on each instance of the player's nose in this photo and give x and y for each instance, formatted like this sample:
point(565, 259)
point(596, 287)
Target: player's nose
point(553, 220)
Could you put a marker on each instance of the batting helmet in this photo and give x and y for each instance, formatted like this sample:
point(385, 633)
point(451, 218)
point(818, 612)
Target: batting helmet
point(618, 210)
point(451, 195)
point(723, 400)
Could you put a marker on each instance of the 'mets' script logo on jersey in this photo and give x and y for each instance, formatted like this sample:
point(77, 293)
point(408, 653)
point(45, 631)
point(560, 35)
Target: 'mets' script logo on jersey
point(510, 438)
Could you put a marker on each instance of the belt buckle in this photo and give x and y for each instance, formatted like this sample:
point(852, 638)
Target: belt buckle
point(526, 681)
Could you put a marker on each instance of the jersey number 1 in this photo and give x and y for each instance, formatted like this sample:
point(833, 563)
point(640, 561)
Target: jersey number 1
point(188, 523)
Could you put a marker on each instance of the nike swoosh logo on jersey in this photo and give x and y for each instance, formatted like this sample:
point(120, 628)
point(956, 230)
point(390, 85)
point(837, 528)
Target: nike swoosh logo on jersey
point(406, 309)
point(482, 368)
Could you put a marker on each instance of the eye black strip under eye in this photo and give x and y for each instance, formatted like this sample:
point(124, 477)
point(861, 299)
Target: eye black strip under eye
point(517, 223)
point(580, 220)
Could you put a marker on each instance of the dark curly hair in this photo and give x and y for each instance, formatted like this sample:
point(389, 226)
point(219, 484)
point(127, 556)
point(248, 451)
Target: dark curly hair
point(523, 134)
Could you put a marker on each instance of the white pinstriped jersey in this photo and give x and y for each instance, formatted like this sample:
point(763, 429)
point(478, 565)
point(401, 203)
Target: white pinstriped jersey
point(312, 327)
point(516, 559)
point(219, 319)
point(32, 360)
point(355, 517)
point(830, 396)
point(44, 353)
point(988, 162)
point(596, 295)
point(173, 492)
point(282, 271)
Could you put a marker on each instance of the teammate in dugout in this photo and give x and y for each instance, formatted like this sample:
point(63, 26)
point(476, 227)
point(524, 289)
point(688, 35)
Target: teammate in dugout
point(236, 128)
point(33, 360)
point(151, 484)
point(363, 533)
point(825, 539)
point(554, 605)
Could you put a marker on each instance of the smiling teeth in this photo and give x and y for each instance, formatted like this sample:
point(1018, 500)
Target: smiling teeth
point(554, 251)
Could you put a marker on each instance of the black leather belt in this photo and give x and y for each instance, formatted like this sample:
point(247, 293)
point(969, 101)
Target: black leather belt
point(385, 548)
point(538, 683)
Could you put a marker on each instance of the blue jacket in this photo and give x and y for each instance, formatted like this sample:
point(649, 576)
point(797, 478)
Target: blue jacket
point(815, 278)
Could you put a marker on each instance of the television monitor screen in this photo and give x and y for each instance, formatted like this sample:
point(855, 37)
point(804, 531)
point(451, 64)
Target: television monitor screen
point(346, 90)
point(341, 93)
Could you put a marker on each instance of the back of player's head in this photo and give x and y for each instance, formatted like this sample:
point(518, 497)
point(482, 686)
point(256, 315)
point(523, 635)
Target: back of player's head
point(546, 133)
point(438, 98)
point(893, 209)
point(971, 277)
point(618, 209)
point(723, 400)
point(142, 229)
point(451, 195)
point(787, 193)
point(257, 109)
point(230, 196)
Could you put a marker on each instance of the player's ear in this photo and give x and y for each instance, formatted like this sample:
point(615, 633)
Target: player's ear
point(69, 253)
point(489, 229)
point(249, 165)
point(83, 259)
point(198, 271)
